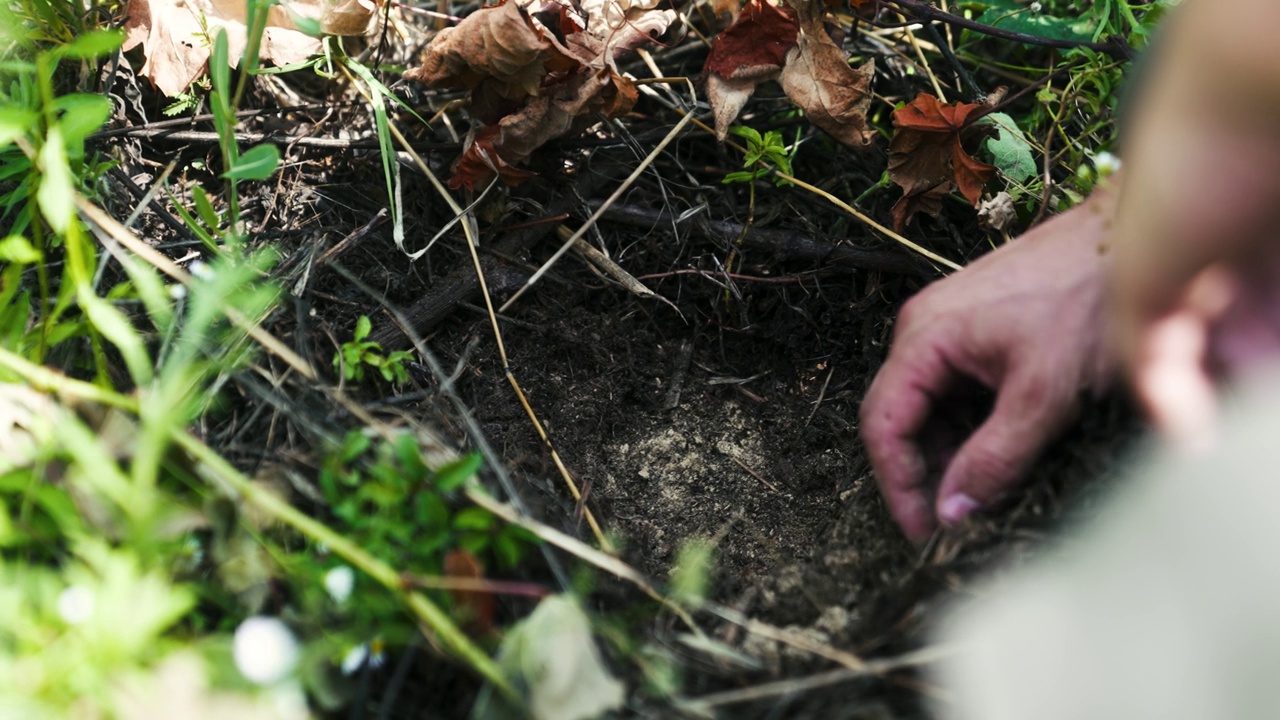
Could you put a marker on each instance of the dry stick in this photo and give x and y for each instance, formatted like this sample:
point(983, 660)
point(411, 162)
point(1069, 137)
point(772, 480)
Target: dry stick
point(924, 656)
point(427, 612)
point(626, 185)
point(784, 244)
point(468, 227)
point(933, 79)
point(582, 551)
point(613, 269)
point(1116, 47)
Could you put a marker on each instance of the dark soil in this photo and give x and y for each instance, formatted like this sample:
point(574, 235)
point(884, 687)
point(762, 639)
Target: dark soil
point(730, 416)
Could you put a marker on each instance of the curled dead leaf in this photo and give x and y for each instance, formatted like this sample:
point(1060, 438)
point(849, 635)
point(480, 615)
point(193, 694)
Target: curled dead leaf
point(537, 73)
point(499, 45)
point(751, 51)
point(348, 17)
point(998, 213)
point(927, 156)
point(771, 42)
point(834, 96)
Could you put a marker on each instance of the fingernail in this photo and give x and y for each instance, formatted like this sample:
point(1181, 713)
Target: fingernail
point(956, 508)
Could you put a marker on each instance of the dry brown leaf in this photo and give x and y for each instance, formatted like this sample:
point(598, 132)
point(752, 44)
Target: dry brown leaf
point(498, 148)
point(177, 35)
point(499, 46)
point(927, 156)
point(998, 213)
point(751, 51)
point(348, 18)
point(770, 42)
point(536, 73)
point(834, 96)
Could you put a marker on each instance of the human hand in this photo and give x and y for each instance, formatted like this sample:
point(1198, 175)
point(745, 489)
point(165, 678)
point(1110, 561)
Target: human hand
point(1196, 277)
point(1025, 321)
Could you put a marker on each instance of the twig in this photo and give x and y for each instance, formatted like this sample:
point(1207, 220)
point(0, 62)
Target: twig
point(1115, 46)
point(626, 185)
point(785, 245)
point(254, 138)
point(792, 686)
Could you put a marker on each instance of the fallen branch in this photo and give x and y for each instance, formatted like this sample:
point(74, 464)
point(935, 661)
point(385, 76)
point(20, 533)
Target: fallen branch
point(784, 245)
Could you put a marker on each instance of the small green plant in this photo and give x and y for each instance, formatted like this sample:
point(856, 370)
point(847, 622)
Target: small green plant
point(765, 153)
point(359, 353)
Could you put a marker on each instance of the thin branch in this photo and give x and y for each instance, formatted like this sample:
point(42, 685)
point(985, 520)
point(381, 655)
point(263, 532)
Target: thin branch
point(1115, 46)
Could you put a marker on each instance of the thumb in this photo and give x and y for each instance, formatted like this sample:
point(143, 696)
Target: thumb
point(1030, 411)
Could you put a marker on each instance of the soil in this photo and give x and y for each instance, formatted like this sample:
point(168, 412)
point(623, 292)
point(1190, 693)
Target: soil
point(727, 411)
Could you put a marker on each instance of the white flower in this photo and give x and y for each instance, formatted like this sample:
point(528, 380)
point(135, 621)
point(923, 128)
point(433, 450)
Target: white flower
point(177, 291)
point(265, 650)
point(1035, 7)
point(356, 657)
point(201, 269)
point(339, 582)
point(75, 604)
point(1106, 163)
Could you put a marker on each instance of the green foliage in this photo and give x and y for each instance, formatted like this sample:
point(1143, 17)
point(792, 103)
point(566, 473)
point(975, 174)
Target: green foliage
point(1010, 150)
point(1034, 19)
point(691, 574)
point(358, 353)
point(389, 501)
point(764, 154)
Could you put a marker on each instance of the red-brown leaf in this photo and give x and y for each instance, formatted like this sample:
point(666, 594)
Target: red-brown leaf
point(762, 36)
point(475, 606)
point(750, 51)
point(927, 157)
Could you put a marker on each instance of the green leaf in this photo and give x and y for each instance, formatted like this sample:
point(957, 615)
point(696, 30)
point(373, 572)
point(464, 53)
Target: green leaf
point(94, 43)
point(691, 574)
point(204, 208)
point(451, 476)
point(1018, 17)
point(257, 163)
point(474, 518)
point(220, 66)
point(14, 124)
point(747, 133)
point(363, 327)
point(115, 327)
point(82, 114)
point(56, 195)
point(17, 249)
point(739, 176)
point(1010, 151)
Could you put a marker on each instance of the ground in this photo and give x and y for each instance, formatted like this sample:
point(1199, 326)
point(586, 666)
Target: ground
point(726, 410)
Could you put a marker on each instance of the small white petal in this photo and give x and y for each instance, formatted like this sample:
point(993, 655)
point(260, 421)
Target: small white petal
point(265, 650)
point(75, 604)
point(200, 269)
point(1106, 163)
point(355, 658)
point(177, 291)
point(339, 582)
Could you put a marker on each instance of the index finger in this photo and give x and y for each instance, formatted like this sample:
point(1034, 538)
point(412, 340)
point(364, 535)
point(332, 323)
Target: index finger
point(894, 411)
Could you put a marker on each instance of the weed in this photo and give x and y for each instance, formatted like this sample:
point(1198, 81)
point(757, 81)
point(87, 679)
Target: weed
point(358, 353)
